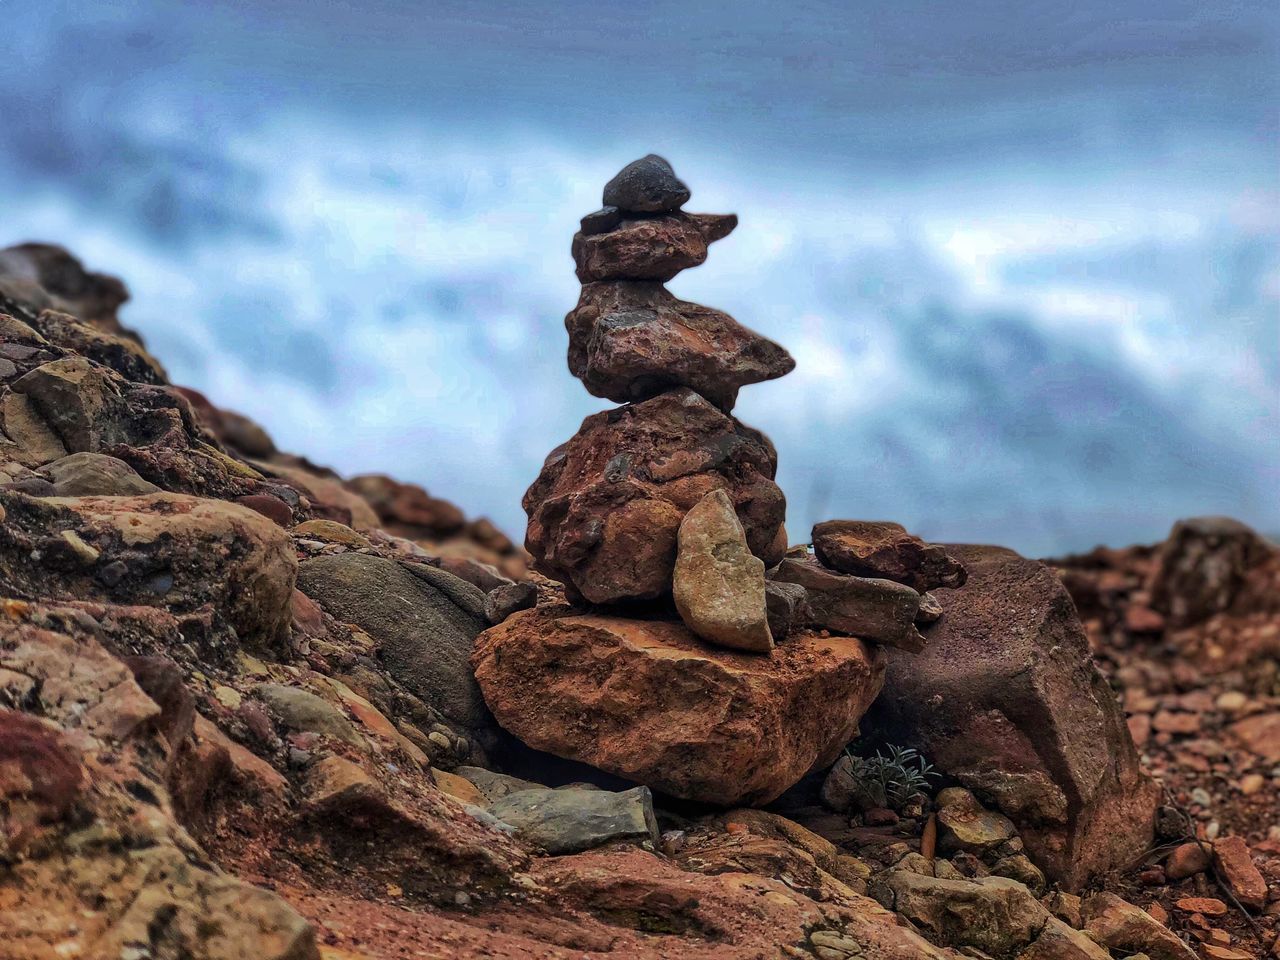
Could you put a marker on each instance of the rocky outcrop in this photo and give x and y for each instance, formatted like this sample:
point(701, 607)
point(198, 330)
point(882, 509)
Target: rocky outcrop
point(1006, 699)
point(648, 701)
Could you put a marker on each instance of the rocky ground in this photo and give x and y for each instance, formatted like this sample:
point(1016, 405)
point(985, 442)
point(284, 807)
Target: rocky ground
point(249, 708)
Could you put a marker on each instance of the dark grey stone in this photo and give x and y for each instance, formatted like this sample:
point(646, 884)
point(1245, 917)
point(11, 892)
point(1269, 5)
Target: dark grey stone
point(570, 820)
point(647, 185)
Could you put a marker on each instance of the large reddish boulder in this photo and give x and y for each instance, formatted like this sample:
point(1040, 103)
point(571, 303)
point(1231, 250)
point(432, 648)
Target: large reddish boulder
point(1006, 699)
point(646, 700)
point(630, 340)
point(605, 510)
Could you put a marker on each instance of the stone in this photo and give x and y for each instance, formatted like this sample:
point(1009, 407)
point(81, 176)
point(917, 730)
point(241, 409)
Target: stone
point(1186, 860)
point(1205, 906)
point(95, 474)
point(1019, 867)
point(631, 340)
point(718, 583)
point(494, 786)
point(502, 601)
point(885, 551)
point(460, 788)
point(878, 610)
point(1259, 734)
point(336, 785)
point(303, 711)
point(1201, 567)
point(1058, 941)
point(1006, 699)
point(601, 221)
point(646, 700)
point(930, 611)
point(183, 553)
point(996, 915)
point(57, 279)
point(568, 821)
point(647, 185)
point(330, 531)
point(964, 825)
point(424, 637)
point(1234, 861)
point(784, 602)
point(1120, 926)
point(655, 248)
point(605, 511)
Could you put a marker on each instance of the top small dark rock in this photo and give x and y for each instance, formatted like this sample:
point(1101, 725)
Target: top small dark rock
point(647, 185)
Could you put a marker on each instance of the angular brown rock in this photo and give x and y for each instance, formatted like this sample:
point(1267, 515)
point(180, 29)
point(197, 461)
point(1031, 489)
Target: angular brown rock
point(605, 510)
point(718, 584)
point(646, 700)
point(1005, 698)
point(878, 610)
point(630, 340)
point(655, 248)
point(885, 551)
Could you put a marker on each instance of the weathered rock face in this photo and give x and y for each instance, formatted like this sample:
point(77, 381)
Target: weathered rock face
point(718, 583)
point(1005, 698)
point(647, 701)
point(605, 511)
point(424, 629)
point(631, 340)
point(1202, 566)
point(879, 610)
point(568, 821)
point(885, 551)
point(49, 277)
point(186, 554)
point(95, 862)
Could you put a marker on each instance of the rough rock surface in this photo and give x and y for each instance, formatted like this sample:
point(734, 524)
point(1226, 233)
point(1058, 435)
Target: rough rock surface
point(569, 821)
point(885, 551)
point(718, 584)
point(878, 610)
point(1006, 699)
point(605, 510)
point(631, 340)
point(647, 701)
point(655, 248)
point(184, 553)
point(424, 634)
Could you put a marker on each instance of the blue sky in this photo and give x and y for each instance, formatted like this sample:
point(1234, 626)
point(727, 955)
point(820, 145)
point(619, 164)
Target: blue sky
point(1027, 255)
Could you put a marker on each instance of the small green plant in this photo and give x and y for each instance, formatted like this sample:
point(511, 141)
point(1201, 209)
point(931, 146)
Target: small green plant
point(890, 781)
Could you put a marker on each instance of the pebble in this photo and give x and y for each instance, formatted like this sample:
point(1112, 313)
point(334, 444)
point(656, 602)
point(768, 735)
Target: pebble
point(1201, 797)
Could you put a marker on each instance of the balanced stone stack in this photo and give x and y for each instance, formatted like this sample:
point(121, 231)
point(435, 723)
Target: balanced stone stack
point(774, 657)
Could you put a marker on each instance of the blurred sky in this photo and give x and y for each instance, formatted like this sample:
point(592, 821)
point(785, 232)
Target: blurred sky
point(1026, 254)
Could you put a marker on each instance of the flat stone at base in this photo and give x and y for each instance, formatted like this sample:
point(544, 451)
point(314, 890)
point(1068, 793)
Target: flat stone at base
point(568, 821)
point(648, 701)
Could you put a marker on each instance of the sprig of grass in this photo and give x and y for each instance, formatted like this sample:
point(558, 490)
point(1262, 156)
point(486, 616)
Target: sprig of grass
point(892, 780)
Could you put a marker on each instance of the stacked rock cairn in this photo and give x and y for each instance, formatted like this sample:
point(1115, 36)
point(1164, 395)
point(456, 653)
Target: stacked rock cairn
point(669, 497)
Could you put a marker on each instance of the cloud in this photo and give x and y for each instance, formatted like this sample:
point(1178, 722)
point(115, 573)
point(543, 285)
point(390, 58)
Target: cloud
point(1047, 361)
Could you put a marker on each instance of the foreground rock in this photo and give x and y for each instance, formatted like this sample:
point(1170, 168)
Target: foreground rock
point(647, 701)
point(718, 584)
point(96, 864)
point(190, 555)
point(605, 510)
point(569, 821)
point(1006, 699)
